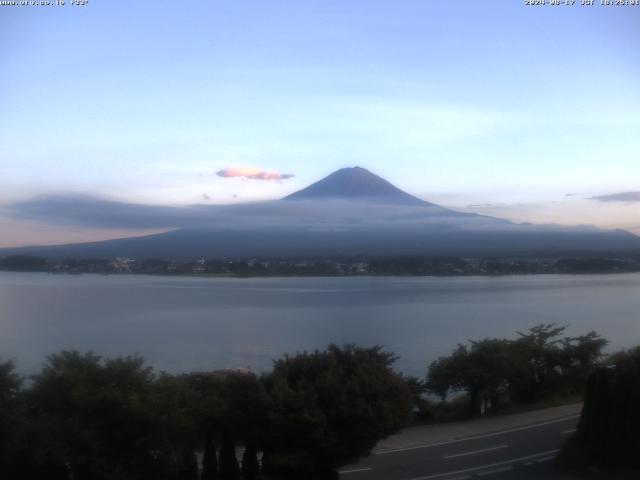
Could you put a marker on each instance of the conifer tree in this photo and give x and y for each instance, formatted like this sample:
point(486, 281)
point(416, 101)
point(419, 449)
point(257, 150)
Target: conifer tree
point(229, 468)
point(209, 460)
point(250, 467)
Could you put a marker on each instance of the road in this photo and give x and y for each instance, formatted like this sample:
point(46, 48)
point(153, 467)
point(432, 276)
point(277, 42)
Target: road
point(520, 452)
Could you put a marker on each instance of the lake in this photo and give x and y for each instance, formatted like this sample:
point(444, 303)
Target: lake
point(189, 323)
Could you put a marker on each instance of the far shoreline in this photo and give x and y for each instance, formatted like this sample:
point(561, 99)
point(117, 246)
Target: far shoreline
point(310, 276)
point(569, 263)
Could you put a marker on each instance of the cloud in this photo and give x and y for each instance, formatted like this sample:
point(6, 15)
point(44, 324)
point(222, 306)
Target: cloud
point(576, 210)
point(487, 205)
point(283, 216)
point(252, 173)
point(88, 211)
point(337, 215)
point(619, 197)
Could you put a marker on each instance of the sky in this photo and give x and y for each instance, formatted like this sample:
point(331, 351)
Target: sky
point(526, 113)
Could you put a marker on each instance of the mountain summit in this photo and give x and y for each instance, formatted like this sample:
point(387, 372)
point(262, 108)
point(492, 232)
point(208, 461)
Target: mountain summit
point(355, 183)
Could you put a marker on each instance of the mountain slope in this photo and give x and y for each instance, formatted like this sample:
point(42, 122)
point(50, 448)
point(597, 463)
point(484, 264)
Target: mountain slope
point(271, 242)
point(355, 183)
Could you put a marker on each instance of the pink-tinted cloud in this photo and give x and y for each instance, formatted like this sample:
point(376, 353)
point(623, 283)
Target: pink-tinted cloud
point(252, 173)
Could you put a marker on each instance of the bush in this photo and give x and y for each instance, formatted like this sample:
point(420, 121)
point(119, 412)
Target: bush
point(607, 435)
point(330, 408)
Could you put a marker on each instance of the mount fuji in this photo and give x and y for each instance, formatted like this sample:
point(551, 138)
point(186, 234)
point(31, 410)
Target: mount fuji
point(350, 212)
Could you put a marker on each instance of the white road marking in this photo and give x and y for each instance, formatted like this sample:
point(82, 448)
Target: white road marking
point(467, 439)
point(491, 465)
point(355, 470)
point(494, 471)
point(567, 432)
point(475, 452)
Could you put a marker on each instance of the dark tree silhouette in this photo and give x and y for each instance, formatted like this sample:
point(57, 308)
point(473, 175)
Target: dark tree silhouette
point(109, 418)
point(330, 408)
point(250, 466)
point(188, 466)
point(607, 434)
point(209, 459)
point(534, 366)
point(229, 468)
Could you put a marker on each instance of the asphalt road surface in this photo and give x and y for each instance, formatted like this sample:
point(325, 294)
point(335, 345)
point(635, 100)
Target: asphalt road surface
point(524, 452)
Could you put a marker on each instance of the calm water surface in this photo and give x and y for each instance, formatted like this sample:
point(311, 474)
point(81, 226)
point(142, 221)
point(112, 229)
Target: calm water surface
point(185, 323)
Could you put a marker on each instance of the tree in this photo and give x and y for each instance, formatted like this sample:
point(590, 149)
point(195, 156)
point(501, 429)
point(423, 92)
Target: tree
point(243, 409)
point(536, 365)
point(482, 370)
point(229, 468)
point(417, 386)
point(10, 383)
point(187, 466)
point(10, 424)
point(102, 419)
point(539, 358)
point(607, 434)
point(580, 355)
point(209, 459)
point(24, 263)
point(232, 404)
point(442, 374)
point(250, 466)
point(174, 406)
point(330, 408)
point(549, 364)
